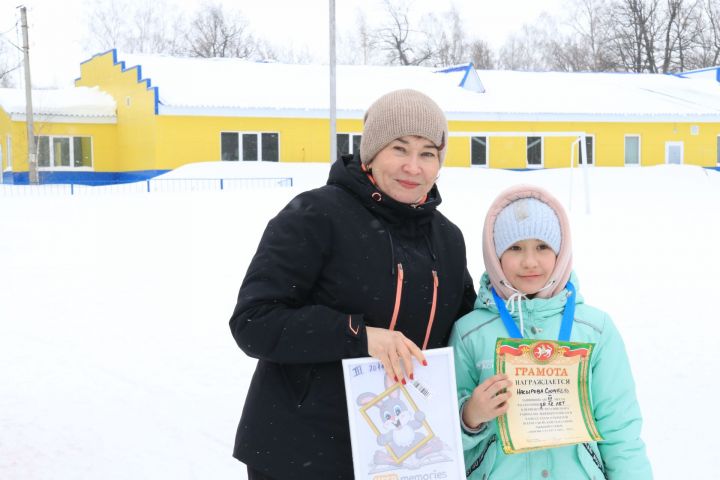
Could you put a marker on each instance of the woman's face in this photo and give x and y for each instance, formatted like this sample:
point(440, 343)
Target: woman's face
point(406, 168)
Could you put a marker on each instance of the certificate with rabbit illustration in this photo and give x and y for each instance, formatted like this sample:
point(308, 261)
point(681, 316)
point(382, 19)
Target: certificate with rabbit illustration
point(398, 429)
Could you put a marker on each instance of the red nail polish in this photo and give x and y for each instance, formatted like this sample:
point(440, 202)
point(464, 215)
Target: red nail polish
point(412, 377)
point(424, 363)
point(396, 379)
point(403, 381)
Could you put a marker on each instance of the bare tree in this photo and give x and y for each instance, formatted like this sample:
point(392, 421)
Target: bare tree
point(399, 40)
point(445, 38)
point(359, 45)
point(481, 55)
point(527, 49)
point(216, 32)
point(687, 30)
point(589, 24)
point(134, 27)
point(650, 36)
point(266, 51)
point(156, 29)
point(107, 25)
point(706, 51)
point(630, 25)
point(660, 37)
point(9, 62)
point(367, 41)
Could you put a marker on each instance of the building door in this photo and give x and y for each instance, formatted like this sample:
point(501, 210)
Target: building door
point(674, 153)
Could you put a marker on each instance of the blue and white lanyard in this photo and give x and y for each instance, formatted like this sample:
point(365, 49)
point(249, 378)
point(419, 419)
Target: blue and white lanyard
point(567, 318)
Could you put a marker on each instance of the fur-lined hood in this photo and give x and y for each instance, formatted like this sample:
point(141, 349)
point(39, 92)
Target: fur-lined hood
point(563, 265)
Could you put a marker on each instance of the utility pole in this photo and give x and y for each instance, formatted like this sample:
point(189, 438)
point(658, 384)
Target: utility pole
point(32, 147)
point(333, 107)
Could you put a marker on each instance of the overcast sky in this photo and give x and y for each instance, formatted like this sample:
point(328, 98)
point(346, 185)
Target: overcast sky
point(58, 29)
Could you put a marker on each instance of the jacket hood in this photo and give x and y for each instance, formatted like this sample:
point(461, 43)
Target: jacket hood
point(563, 264)
point(347, 173)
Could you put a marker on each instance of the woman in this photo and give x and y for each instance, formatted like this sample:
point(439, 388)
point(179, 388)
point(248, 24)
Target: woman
point(364, 266)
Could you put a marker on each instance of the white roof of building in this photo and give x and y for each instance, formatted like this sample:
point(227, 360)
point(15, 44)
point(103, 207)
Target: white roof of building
point(222, 86)
point(73, 104)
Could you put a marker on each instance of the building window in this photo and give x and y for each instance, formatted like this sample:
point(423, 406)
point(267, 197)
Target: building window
point(478, 151)
point(270, 147)
point(632, 149)
point(534, 152)
point(64, 152)
point(348, 143)
point(249, 146)
point(674, 153)
point(590, 150)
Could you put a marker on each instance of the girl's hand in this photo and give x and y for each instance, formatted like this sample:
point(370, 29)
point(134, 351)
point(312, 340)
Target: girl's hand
point(488, 401)
point(395, 351)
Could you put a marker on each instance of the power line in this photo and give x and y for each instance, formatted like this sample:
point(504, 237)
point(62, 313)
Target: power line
point(14, 27)
point(3, 36)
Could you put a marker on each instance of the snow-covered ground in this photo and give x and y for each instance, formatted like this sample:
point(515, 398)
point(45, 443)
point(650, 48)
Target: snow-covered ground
point(116, 360)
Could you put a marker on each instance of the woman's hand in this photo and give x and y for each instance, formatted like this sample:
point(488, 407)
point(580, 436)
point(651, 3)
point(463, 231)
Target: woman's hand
point(488, 401)
point(395, 351)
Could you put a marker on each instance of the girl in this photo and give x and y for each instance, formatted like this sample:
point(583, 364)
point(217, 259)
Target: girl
point(528, 261)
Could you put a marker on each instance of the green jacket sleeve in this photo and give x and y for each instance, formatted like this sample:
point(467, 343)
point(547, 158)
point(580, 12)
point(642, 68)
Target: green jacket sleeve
point(467, 378)
point(616, 410)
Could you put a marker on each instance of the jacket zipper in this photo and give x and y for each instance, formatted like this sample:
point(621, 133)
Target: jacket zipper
point(398, 294)
point(398, 297)
point(436, 282)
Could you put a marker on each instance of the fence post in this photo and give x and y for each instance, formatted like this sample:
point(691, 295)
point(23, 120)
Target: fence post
point(148, 185)
point(221, 183)
point(72, 189)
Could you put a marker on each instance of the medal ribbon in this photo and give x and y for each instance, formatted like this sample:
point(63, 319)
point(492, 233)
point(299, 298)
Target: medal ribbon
point(565, 325)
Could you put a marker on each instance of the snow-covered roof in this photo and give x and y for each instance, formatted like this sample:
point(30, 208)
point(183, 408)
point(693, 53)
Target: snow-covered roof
point(616, 96)
point(711, 74)
point(75, 103)
point(222, 86)
point(233, 86)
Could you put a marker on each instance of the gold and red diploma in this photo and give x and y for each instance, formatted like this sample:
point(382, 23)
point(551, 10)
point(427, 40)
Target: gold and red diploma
point(550, 401)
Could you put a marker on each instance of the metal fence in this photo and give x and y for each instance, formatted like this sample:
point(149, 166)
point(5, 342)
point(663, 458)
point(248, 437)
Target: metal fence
point(160, 185)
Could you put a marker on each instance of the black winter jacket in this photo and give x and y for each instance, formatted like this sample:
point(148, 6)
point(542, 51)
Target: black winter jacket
point(327, 266)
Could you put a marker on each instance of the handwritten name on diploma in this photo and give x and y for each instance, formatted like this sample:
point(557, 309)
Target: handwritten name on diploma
point(542, 382)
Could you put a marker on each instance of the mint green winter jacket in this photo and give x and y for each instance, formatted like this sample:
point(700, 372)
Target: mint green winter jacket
point(617, 414)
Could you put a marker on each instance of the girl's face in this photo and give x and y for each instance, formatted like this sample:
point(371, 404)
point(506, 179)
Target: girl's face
point(528, 264)
point(406, 168)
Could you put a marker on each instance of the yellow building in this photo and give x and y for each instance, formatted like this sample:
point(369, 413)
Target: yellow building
point(73, 128)
point(154, 113)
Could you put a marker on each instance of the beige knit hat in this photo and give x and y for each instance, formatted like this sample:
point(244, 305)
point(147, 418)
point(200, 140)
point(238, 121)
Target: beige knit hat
point(400, 113)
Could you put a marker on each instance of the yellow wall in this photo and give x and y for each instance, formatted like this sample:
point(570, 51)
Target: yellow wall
point(5, 130)
point(104, 141)
point(189, 139)
point(195, 139)
point(136, 125)
point(104, 145)
point(510, 152)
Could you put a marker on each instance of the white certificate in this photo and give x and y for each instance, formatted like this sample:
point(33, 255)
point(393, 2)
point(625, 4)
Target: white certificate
point(401, 430)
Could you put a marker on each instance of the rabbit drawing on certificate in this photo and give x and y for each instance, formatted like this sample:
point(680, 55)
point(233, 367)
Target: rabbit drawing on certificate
point(400, 429)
